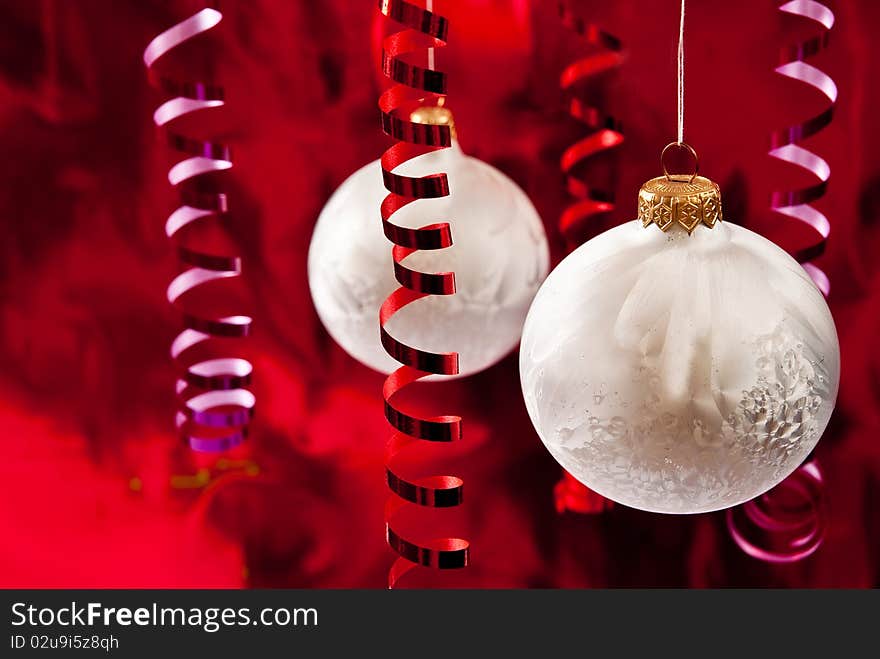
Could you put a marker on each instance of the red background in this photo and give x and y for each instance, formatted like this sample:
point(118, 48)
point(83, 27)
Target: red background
point(96, 489)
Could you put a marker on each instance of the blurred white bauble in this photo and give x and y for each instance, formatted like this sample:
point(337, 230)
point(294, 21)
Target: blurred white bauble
point(679, 373)
point(499, 256)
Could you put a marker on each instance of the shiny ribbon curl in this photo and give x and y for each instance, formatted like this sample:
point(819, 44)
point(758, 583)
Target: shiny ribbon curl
point(215, 405)
point(785, 142)
point(771, 528)
point(786, 524)
point(415, 86)
point(570, 494)
point(607, 133)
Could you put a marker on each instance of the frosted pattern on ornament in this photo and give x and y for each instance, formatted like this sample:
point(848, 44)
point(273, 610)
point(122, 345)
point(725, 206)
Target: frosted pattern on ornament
point(677, 373)
point(499, 256)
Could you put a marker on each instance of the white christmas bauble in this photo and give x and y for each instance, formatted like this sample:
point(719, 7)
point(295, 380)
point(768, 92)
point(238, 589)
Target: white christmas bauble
point(679, 373)
point(499, 256)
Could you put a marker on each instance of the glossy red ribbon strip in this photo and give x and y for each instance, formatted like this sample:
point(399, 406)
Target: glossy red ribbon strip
point(785, 145)
point(415, 86)
point(606, 133)
point(215, 404)
point(571, 495)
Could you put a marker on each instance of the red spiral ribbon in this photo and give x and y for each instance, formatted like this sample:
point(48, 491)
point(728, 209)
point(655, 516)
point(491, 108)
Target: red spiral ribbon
point(787, 523)
point(415, 87)
point(215, 404)
point(571, 495)
point(606, 131)
point(590, 201)
point(785, 142)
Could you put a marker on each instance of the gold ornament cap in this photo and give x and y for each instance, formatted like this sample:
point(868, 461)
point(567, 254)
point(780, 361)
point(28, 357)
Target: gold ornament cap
point(434, 115)
point(685, 199)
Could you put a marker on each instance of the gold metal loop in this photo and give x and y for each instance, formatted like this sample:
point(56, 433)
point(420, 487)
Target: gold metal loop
point(680, 145)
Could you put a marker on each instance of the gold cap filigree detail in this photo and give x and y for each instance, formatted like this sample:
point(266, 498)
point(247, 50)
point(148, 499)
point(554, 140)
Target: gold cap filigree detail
point(664, 201)
point(684, 199)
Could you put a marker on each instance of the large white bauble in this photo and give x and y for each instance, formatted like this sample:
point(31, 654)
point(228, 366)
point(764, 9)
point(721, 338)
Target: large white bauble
point(679, 373)
point(499, 256)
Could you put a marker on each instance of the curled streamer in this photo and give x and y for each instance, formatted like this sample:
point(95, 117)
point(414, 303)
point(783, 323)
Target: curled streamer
point(787, 523)
point(214, 403)
point(606, 133)
point(415, 86)
point(785, 145)
point(572, 495)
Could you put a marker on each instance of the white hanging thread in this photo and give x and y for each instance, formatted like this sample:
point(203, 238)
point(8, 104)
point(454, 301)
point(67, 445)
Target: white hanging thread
point(681, 76)
point(429, 5)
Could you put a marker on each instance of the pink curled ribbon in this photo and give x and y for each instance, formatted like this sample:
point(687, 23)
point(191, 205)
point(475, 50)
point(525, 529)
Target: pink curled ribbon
point(606, 133)
point(787, 524)
point(215, 405)
point(785, 145)
point(415, 87)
